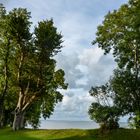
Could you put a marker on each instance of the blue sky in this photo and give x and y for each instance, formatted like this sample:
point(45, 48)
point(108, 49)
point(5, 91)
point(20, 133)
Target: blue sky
point(84, 65)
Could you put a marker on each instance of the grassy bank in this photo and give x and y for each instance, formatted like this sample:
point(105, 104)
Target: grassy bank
point(71, 134)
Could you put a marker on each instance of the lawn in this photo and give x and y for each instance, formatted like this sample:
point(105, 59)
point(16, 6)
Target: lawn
point(71, 134)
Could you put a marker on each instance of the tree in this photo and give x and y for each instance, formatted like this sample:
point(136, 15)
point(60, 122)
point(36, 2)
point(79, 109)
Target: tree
point(34, 80)
point(18, 27)
point(120, 32)
point(103, 110)
point(5, 71)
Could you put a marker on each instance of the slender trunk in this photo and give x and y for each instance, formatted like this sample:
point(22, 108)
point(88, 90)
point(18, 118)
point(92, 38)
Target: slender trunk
point(22, 123)
point(18, 116)
point(18, 113)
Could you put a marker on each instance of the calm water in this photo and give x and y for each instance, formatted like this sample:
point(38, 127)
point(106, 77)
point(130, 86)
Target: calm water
point(48, 124)
point(51, 124)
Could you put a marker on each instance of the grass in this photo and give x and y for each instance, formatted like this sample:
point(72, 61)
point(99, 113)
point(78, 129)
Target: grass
point(70, 134)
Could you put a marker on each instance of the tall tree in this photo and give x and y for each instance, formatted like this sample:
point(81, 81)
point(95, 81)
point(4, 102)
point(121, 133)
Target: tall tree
point(34, 80)
point(19, 26)
point(120, 32)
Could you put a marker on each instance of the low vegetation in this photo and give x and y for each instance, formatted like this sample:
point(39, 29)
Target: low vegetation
point(69, 134)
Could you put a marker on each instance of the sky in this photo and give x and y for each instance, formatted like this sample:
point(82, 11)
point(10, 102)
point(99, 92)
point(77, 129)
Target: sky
point(84, 65)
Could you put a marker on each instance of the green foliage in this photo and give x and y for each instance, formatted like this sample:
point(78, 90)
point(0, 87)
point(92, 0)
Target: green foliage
point(120, 33)
point(19, 25)
point(134, 122)
point(127, 93)
point(7, 100)
point(47, 38)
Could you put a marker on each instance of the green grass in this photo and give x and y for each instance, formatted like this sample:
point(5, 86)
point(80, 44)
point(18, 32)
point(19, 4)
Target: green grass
point(71, 134)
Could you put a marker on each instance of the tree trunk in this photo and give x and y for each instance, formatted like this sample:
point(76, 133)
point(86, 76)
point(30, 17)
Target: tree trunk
point(18, 120)
point(22, 123)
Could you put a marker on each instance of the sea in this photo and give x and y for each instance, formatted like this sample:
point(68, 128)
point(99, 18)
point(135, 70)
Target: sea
point(63, 124)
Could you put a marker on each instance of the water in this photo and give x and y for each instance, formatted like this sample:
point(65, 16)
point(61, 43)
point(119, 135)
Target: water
point(48, 124)
point(54, 124)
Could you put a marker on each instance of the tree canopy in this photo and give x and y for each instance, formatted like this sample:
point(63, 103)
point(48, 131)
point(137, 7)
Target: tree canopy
point(29, 73)
point(119, 34)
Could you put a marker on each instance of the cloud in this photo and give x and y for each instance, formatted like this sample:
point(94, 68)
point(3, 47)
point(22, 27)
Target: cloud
point(99, 66)
point(73, 107)
point(90, 56)
point(68, 63)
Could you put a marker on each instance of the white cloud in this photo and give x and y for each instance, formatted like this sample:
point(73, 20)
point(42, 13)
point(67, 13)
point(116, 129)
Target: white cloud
point(99, 66)
point(83, 81)
point(90, 56)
